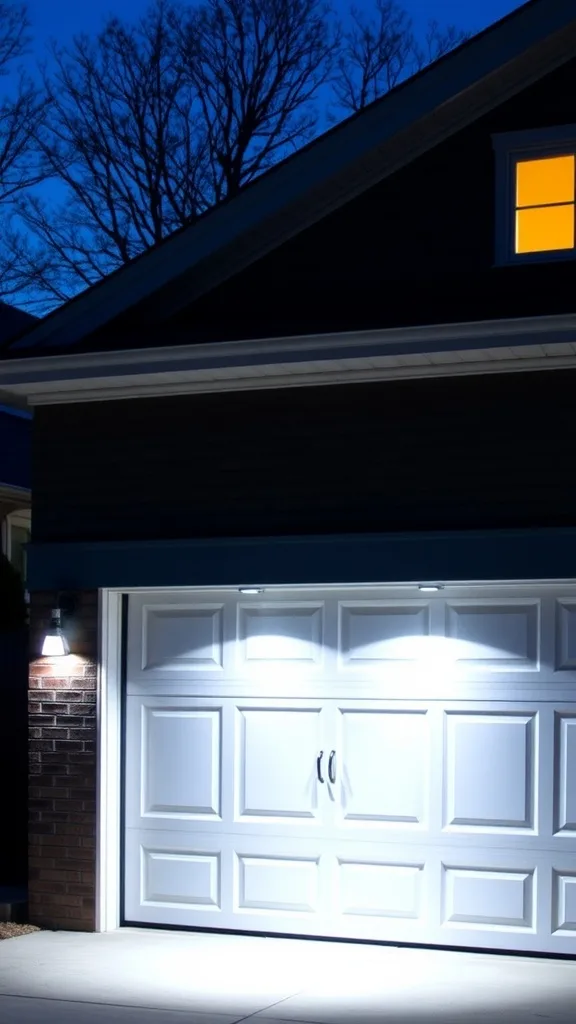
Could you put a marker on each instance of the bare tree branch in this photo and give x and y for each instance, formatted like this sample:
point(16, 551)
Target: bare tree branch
point(380, 49)
point(437, 42)
point(148, 125)
point(257, 67)
point(376, 53)
point(122, 139)
point(20, 110)
point(14, 34)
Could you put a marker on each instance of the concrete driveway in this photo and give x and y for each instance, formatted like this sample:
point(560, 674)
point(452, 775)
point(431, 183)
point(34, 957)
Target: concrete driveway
point(136, 976)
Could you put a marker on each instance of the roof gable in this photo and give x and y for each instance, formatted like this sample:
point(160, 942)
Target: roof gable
point(14, 321)
point(326, 174)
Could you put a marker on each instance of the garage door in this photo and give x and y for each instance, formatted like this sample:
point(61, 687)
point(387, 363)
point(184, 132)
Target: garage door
point(376, 764)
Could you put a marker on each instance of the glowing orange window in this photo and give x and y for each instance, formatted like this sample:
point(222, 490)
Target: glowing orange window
point(545, 204)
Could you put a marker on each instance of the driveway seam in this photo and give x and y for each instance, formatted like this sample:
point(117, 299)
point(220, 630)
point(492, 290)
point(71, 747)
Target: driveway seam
point(265, 1009)
point(120, 1006)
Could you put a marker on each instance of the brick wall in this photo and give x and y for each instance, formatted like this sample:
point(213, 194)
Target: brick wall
point(62, 751)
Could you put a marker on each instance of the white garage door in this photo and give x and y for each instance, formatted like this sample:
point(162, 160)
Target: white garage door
point(379, 764)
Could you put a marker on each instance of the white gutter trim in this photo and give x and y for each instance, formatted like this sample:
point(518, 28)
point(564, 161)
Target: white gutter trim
point(454, 338)
point(328, 157)
point(297, 375)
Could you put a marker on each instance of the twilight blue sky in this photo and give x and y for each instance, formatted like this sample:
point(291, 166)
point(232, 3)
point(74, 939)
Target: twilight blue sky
point(62, 18)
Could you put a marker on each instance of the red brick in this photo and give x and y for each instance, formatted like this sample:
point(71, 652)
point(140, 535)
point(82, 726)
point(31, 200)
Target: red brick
point(77, 863)
point(62, 706)
point(35, 861)
point(78, 830)
point(68, 805)
point(79, 853)
point(51, 887)
point(59, 875)
point(57, 817)
point(70, 842)
point(81, 890)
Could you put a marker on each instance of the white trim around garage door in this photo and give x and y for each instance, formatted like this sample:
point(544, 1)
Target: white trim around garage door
point(109, 748)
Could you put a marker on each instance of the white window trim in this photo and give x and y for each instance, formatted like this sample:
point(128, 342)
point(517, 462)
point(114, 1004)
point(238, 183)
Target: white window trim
point(509, 147)
point(21, 517)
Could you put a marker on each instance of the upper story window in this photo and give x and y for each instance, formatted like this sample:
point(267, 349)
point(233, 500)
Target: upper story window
point(536, 195)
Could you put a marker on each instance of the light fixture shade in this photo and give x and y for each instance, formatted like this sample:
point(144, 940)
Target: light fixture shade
point(251, 590)
point(55, 643)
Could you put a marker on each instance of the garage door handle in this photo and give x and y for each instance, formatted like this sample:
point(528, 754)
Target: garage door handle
point(331, 768)
point(319, 766)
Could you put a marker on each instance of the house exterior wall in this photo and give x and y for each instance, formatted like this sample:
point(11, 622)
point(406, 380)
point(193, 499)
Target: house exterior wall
point(62, 765)
point(417, 248)
point(459, 454)
point(444, 454)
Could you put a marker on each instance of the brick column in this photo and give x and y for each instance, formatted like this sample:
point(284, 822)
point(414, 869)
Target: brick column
point(62, 751)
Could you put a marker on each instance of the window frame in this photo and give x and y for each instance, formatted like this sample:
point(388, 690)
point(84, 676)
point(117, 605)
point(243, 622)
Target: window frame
point(509, 148)
point(20, 517)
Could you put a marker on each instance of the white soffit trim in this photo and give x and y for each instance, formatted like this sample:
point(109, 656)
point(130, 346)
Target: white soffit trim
point(333, 168)
point(432, 351)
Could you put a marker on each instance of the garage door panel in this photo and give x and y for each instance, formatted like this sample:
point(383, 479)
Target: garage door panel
point(176, 879)
point(280, 638)
point(564, 901)
point(488, 898)
point(277, 884)
point(170, 878)
point(384, 765)
point(373, 634)
point(181, 757)
point(491, 770)
point(380, 890)
point(175, 771)
point(565, 635)
point(277, 751)
point(177, 636)
point(495, 634)
point(565, 773)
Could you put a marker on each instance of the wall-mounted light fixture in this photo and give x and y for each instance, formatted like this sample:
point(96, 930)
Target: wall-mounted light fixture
point(251, 590)
point(55, 643)
point(430, 588)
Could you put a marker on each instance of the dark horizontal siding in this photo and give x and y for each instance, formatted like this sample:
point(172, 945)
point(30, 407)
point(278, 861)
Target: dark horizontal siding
point(416, 248)
point(473, 452)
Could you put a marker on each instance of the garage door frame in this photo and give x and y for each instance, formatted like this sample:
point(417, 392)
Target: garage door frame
point(113, 623)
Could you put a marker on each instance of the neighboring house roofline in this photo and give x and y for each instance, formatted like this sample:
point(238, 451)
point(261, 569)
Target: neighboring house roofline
point(495, 346)
point(14, 494)
point(417, 115)
point(14, 410)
